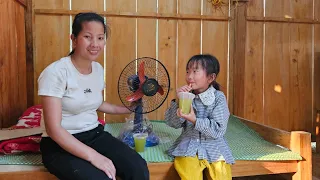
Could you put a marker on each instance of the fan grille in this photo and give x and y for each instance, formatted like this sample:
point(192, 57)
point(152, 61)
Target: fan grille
point(152, 69)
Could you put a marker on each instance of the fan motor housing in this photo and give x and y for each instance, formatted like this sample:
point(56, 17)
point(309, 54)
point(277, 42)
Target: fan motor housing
point(150, 87)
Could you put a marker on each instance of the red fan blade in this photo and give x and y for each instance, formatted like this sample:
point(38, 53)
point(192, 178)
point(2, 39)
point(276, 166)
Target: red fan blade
point(160, 90)
point(141, 73)
point(135, 96)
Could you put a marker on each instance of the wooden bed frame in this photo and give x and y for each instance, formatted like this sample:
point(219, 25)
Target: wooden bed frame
point(297, 141)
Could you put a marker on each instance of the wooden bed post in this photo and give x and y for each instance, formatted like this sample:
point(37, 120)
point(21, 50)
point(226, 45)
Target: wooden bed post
point(300, 143)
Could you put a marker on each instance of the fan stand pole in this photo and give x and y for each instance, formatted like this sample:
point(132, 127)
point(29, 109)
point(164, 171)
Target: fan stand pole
point(138, 117)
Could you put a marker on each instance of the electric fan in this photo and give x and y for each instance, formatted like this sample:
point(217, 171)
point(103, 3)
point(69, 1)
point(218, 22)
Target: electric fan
point(143, 87)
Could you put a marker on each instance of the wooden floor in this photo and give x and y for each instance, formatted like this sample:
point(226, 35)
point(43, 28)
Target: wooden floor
point(315, 172)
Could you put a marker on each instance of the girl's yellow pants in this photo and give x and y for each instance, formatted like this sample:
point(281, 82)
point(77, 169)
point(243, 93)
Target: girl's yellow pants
point(191, 168)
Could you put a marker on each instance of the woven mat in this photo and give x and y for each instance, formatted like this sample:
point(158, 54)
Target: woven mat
point(245, 144)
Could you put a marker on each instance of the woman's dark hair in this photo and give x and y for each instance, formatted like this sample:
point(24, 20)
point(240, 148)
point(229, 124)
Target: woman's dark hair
point(209, 63)
point(86, 17)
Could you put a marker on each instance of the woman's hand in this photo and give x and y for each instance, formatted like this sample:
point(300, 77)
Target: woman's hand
point(104, 164)
point(189, 117)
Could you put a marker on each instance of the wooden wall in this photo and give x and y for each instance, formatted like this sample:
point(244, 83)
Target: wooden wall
point(172, 40)
point(268, 50)
point(13, 91)
point(277, 79)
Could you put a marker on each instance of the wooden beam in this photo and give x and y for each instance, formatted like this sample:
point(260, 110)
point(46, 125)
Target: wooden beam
point(317, 124)
point(134, 14)
point(316, 92)
point(17, 133)
point(240, 31)
point(28, 175)
point(282, 20)
point(301, 143)
point(231, 61)
point(29, 50)
point(270, 134)
point(254, 168)
point(23, 3)
point(160, 171)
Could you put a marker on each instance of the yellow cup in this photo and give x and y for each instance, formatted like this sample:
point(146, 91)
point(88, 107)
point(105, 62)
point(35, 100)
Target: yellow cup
point(140, 141)
point(185, 101)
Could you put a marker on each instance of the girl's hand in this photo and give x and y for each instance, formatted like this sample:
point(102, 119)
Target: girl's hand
point(189, 117)
point(104, 164)
point(185, 88)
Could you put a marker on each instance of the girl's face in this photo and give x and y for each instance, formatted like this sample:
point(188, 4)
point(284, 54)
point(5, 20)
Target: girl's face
point(197, 77)
point(90, 41)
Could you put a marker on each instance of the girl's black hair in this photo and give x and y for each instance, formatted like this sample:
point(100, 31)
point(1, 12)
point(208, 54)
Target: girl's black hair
point(209, 63)
point(85, 17)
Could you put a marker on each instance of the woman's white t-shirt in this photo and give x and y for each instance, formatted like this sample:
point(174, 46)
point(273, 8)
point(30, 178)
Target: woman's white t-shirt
point(81, 95)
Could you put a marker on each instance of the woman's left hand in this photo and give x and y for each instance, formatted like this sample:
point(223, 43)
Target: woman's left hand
point(189, 117)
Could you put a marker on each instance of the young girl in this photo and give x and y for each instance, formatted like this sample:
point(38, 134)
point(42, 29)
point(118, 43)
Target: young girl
point(74, 144)
point(201, 145)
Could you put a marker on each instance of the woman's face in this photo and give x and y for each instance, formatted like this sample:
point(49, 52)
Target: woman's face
point(90, 41)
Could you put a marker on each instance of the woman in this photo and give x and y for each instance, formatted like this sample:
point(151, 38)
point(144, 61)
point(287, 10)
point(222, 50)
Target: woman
point(74, 145)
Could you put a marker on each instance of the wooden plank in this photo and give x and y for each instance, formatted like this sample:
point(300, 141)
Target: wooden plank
point(282, 20)
point(253, 168)
point(13, 79)
point(316, 12)
point(301, 77)
point(47, 47)
point(213, 9)
point(269, 133)
point(231, 26)
point(255, 8)
point(17, 133)
point(252, 67)
point(301, 143)
point(239, 59)
point(240, 168)
point(316, 166)
point(276, 76)
point(8, 57)
point(27, 175)
point(300, 67)
point(167, 39)
point(316, 79)
point(146, 41)
point(133, 14)
point(93, 5)
point(51, 4)
point(316, 91)
point(21, 168)
point(12, 73)
point(121, 49)
point(215, 42)
point(301, 9)
point(253, 73)
point(21, 104)
point(188, 37)
point(164, 171)
point(29, 21)
point(83, 5)
point(4, 63)
point(22, 2)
